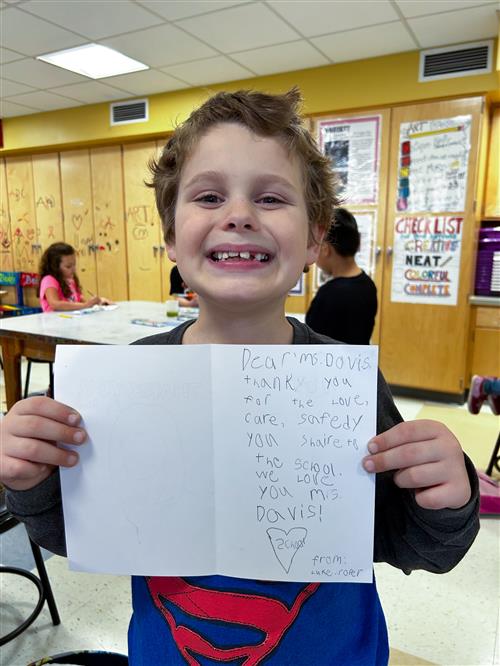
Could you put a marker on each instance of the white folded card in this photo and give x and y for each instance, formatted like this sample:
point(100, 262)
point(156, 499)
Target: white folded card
point(221, 459)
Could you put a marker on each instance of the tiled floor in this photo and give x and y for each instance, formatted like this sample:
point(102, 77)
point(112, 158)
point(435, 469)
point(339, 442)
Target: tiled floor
point(450, 620)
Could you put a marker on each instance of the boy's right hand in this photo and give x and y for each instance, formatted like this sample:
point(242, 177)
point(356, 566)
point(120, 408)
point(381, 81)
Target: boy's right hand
point(29, 433)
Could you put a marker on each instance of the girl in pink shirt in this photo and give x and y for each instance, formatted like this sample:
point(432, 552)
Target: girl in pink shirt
point(60, 287)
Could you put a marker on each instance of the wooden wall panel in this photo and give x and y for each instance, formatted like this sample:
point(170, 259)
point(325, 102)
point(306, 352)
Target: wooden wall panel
point(143, 225)
point(48, 205)
point(22, 213)
point(78, 217)
point(109, 222)
point(492, 193)
point(6, 259)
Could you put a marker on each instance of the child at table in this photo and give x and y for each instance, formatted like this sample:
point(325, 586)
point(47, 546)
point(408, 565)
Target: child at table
point(60, 287)
point(245, 198)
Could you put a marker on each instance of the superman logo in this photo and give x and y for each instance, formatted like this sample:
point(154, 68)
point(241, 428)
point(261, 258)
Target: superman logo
point(233, 625)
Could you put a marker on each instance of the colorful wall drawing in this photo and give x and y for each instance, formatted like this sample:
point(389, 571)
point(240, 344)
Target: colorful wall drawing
point(433, 159)
point(426, 261)
point(353, 146)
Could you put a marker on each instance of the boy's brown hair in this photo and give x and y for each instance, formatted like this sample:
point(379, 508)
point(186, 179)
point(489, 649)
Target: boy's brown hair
point(271, 116)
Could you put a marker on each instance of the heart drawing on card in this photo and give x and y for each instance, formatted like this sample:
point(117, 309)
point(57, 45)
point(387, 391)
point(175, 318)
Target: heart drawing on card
point(286, 544)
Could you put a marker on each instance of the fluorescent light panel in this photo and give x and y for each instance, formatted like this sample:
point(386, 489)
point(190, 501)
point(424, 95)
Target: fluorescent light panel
point(94, 61)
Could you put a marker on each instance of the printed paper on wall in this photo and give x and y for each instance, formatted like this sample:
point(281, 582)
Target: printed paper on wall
point(367, 226)
point(365, 257)
point(426, 262)
point(433, 159)
point(298, 290)
point(353, 146)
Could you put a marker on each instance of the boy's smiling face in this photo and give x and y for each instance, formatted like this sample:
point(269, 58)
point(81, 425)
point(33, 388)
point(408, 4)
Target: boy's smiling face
point(241, 228)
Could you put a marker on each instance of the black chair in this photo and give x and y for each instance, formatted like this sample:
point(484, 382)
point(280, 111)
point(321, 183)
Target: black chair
point(41, 582)
point(495, 458)
point(85, 658)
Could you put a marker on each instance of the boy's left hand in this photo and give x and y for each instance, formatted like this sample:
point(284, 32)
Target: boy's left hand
point(428, 459)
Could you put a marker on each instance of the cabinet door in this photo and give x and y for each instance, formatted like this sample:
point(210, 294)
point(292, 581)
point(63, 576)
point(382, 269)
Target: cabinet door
point(48, 205)
point(425, 345)
point(22, 213)
point(109, 221)
point(6, 260)
point(143, 225)
point(78, 218)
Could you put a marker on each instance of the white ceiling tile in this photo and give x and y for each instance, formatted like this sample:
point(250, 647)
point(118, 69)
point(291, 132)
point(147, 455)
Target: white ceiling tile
point(9, 109)
point(8, 88)
point(240, 28)
point(33, 36)
point(44, 100)
point(39, 74)
point(454, 27)
point(94, 20)
point(410, 8)
point(6, 55)
point(317, 17)
point(365, 42)
point(211, 70)
point(172, 10)
point(148, 82)
point(281, 58)
point(91, 92)
point(160, 46)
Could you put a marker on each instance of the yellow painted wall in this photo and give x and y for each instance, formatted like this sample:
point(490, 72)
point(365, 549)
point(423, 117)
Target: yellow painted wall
point(376, 82)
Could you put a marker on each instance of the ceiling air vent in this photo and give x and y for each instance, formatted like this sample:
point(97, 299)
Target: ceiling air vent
point(122, 113)
point(453, 61)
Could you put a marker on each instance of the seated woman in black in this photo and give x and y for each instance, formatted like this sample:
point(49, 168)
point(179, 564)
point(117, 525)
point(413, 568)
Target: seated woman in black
point(344, 308)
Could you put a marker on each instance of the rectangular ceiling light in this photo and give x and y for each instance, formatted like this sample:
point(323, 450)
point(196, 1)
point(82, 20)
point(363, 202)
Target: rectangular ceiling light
point(94, 61)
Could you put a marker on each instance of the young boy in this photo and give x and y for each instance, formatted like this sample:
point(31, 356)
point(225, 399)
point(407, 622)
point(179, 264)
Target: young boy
point(245, 198)
point(345, 307)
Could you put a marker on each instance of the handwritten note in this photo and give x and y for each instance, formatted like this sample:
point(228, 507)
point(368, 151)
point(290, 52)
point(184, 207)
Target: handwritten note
point(242, 461)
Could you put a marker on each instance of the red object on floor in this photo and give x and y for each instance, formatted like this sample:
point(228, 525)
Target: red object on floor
point(489, 491)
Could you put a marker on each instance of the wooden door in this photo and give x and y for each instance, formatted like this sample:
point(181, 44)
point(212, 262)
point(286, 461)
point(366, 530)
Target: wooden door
point(22, 213)
point(6, 259)
point(144, 240)
point(371, 139)
point(78, 217)
point(48, 205)
point(109, 222)
point(424, 346)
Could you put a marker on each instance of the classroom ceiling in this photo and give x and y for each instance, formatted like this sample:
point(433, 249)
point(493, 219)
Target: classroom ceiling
point(190, 43)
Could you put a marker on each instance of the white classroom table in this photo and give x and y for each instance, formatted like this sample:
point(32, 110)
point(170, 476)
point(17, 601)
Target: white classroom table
point(36, 335)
